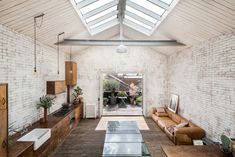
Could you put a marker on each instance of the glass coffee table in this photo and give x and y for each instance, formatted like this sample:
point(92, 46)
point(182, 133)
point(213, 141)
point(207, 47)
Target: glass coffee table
point(123, 138)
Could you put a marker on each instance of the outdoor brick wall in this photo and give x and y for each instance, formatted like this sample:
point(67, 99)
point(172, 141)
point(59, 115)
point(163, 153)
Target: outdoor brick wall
point(96, 60)
point(25, 86)
point(204, 78)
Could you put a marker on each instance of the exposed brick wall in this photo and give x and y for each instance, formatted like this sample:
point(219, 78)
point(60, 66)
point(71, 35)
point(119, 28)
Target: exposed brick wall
point(25, 86)
point(96, 60)
point(204, 78)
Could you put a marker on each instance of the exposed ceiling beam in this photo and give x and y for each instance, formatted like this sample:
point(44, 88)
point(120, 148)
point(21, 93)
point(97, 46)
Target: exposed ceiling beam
point(87, 42)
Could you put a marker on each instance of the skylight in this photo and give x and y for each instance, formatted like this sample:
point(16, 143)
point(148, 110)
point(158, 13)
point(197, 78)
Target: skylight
point(142, 15)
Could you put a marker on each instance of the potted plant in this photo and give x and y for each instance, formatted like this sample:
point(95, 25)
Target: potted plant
point(111, 84)
point(77, 94)
point(138, 101)
point(45, 102)
point(105, 101)
point(226, 146)
point(122, 94)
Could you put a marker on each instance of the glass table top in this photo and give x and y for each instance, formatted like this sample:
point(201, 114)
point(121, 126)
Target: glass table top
point(123, 138)
point(121, 123)
point(122, 127)
point(125, 149)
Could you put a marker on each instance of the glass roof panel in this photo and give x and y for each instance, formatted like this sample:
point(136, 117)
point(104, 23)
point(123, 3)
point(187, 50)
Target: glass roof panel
point(77, 1)
point(150, 6)
point(141, 14)
point(138, 22)
point(167, 1)
point(101, 14)
point(103, 22)
point(94, 5)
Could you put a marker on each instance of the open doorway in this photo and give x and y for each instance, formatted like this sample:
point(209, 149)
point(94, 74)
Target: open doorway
point(122, 94)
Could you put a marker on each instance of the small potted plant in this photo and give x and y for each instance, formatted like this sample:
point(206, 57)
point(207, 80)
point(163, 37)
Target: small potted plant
point(105, 101)
point(122, 94)
point(226, 146)
point(77, 94)
point(45, 102)
point(138, 101)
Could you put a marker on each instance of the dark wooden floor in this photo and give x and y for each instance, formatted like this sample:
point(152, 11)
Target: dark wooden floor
point(85, 141)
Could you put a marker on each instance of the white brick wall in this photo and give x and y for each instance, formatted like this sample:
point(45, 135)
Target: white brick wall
point(204, 78)
point(25, 86)
point(95, 60)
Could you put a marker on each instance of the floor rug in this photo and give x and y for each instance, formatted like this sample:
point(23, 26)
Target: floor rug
point(102, 125)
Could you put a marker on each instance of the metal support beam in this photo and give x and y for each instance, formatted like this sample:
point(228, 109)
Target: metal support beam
point(87, 42)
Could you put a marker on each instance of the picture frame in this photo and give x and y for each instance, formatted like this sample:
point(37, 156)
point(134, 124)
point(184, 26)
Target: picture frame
point(173, 103)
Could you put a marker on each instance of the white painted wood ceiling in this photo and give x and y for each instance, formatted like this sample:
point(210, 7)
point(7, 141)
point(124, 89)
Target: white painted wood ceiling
point(190, 22)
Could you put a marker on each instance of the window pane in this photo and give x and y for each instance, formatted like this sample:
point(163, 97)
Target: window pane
point(101, 14)
point(150, 6)
point(138, 22)
point(103, 22)
point(94, 5)
point(167, 1)
point(77, 1)
point(149, 18)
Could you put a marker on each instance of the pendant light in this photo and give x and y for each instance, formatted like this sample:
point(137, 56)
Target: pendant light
point(35, 38)
point(121, 8)
point(58, 52)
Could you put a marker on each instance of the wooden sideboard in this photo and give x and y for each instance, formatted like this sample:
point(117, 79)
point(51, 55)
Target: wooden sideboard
point(3, 120)
point(60, 129)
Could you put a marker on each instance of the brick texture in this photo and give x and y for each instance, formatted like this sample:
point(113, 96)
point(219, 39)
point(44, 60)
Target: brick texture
point(25, 86)
point(204, 78)
point(94, 61)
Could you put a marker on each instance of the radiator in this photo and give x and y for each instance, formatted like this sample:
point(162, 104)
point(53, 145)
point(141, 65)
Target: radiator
point(91, 111)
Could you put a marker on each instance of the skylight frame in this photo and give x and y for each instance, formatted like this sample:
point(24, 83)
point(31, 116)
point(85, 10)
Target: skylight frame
point(142, 18)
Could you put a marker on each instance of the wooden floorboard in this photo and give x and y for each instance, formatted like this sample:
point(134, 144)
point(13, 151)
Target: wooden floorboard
point(85, 141)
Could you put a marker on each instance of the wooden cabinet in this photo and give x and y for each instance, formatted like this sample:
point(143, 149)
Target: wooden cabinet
point(3, 120)
point(78, 114)
point(60, 129)
point(55, 87)
point(70, 73)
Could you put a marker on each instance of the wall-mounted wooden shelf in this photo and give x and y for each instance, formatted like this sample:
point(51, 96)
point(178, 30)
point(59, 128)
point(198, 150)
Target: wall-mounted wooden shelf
point(56, 87)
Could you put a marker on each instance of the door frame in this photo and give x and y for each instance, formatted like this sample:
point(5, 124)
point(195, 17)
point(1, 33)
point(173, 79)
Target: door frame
point(103, 73)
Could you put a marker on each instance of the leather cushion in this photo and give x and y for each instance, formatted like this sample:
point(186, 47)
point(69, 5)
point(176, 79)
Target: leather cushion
point(176, 118)
point(181, 125)
point(156, 118)
point(165, 123)
point(161, 114)
point(161, 110)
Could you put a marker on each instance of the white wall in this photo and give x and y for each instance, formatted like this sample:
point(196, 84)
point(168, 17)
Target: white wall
point(25, 86)
point(204, 78)
point(95, 60)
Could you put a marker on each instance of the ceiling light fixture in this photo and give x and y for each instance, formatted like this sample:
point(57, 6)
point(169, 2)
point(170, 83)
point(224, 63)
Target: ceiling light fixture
point(35, 38)
point(121, 8)
point(58, 52)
